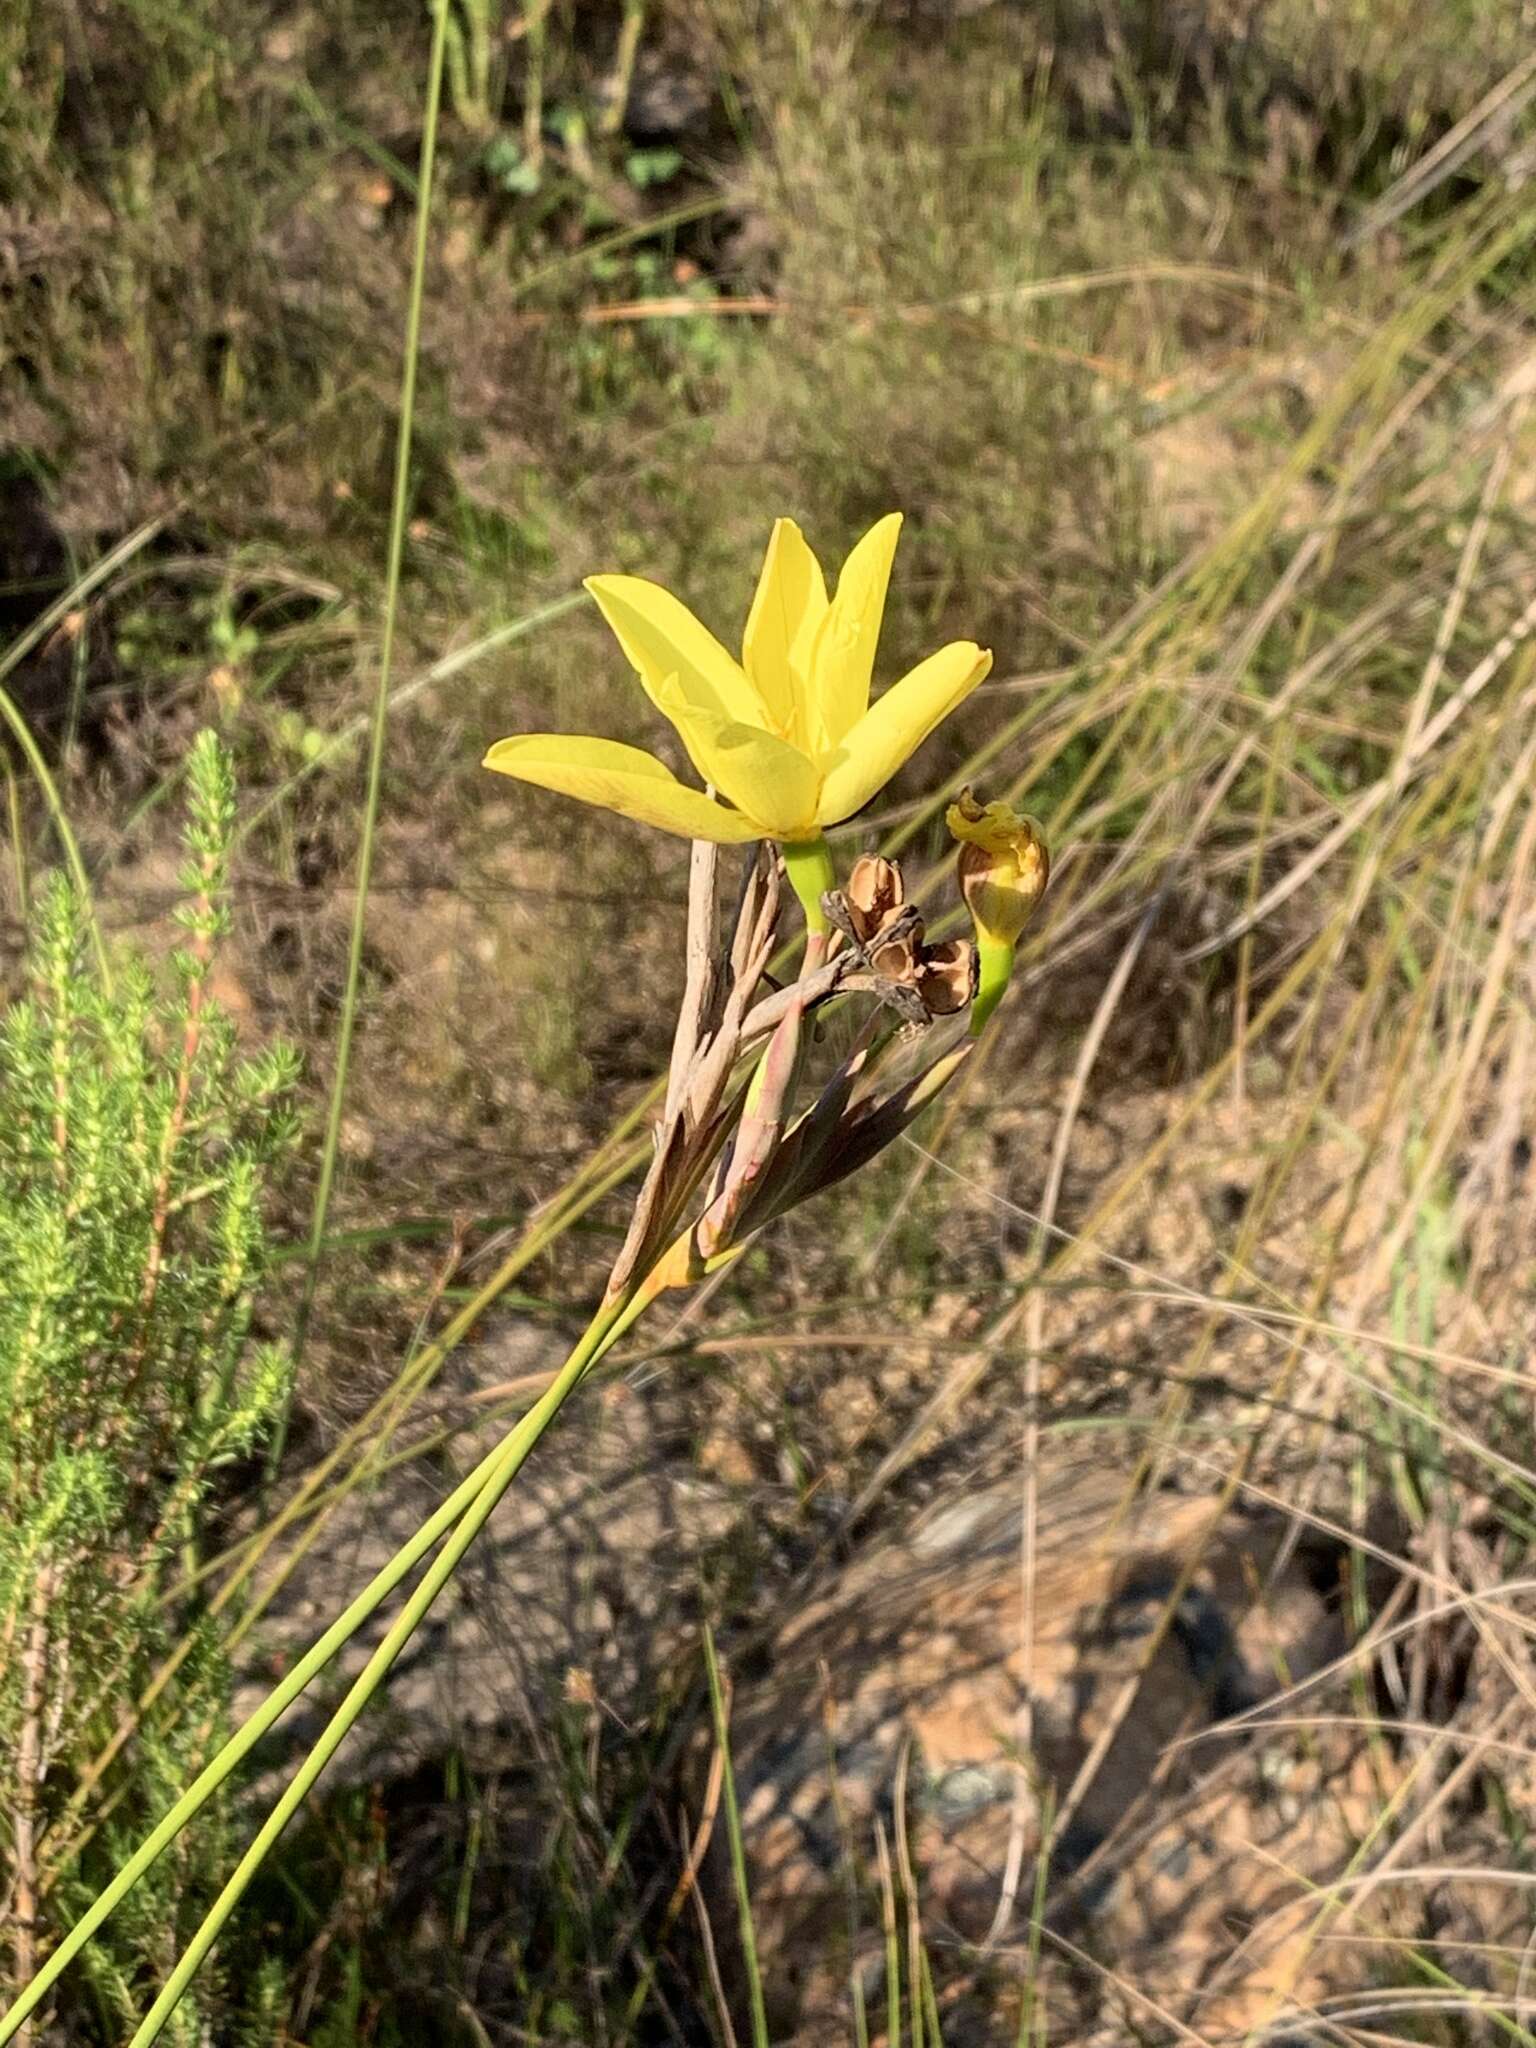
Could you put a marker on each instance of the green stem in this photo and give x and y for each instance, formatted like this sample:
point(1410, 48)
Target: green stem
point(738, 1848)
point(808, 863)
point(10, 658)
point(605, 1329)
point(996, 967)
point(380, 722)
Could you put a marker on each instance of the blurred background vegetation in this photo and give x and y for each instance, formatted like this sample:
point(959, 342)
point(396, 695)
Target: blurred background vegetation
point(1196, 343)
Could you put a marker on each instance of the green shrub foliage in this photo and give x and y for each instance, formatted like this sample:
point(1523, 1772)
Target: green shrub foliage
point(137, 1144)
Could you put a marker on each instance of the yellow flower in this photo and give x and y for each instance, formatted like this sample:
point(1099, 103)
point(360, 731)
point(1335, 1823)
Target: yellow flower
point(787, 735)
point(1004, 867)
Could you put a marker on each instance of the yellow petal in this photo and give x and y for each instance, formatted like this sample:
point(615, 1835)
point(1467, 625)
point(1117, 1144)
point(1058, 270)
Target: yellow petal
point(843, 660)
point(897, 725)
point(662, 639)
point(621, 779)
point(790, 604)
point(764, 776)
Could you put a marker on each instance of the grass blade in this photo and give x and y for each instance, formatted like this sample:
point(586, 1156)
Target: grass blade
point(380, 725)
point(738, 1853)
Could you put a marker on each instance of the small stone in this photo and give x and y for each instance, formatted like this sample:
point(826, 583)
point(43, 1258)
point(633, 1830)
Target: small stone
point(356, 1138)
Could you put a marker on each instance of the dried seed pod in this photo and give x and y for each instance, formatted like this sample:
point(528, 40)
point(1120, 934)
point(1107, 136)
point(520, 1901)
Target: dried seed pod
point(947, 975)
point(918, 981)
point(875, 894)
point(872, 906)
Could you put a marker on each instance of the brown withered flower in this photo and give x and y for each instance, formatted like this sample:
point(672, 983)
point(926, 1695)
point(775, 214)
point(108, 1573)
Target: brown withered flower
point(1004, 865)
point(917, 980)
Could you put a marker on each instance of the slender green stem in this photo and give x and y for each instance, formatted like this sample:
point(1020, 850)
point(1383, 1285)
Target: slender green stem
point(738, 1851)
point(208, 1781)
point(375, 1429)
point(995, 962)
point(380, 728)
point(18, 837)
point(533, 88)
point(630, 31)
point(604, 1330)
point(809, 867)
point(22, 734)
point(277, 1702)
point(11, 657)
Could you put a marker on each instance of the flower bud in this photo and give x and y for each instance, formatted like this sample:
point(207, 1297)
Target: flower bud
point(1003, 868)
point(1003, 865)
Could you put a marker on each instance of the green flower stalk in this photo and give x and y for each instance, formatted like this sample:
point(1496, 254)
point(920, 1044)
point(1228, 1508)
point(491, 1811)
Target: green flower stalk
point(1003, 869)
point(808, 865)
